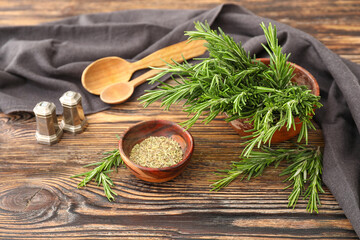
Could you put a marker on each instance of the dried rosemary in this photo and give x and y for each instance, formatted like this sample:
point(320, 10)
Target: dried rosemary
point(156, 152)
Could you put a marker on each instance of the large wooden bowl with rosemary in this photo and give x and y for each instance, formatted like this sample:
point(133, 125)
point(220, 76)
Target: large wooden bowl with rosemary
point(156, 128)
point(302, 77)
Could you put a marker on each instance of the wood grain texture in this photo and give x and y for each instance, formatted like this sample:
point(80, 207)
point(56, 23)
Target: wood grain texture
point(38, 200)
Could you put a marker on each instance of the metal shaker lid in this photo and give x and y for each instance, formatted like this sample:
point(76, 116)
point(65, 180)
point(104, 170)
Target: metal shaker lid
point(70, 98)
point(44, 108)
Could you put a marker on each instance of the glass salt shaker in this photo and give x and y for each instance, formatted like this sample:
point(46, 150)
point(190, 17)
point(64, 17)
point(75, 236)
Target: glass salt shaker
point(74, 120)
point(48, 130)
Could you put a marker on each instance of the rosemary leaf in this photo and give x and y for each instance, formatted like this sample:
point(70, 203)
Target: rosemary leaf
point(99, 173)
point(303, 173)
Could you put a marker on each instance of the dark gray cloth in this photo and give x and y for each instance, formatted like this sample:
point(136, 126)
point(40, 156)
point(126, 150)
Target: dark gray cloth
point(42, 62)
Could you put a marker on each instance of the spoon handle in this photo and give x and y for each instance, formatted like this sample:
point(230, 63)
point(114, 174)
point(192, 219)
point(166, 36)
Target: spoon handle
point(142, 78)
point(176, 52)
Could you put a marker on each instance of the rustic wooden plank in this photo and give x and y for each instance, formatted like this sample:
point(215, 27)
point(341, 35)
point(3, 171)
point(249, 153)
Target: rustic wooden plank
point(39, 200)
point(22, 12)
point(55, 208)
point(36, 192)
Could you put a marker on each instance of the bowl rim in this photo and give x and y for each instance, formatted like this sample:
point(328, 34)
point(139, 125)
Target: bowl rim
point(164, 122)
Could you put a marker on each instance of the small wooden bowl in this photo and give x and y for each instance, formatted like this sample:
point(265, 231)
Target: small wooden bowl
point(143, 130)
point(302, 77)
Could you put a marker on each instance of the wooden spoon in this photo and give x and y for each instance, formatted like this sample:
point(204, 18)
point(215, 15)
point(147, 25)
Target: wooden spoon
point(106, 71)
point(122, 91)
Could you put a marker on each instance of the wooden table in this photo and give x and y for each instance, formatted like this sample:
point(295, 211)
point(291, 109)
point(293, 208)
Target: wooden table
point(38, 200)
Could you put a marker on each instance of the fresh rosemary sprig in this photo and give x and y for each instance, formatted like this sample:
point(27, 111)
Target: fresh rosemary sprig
point(99, 173)
point(230, 81)
point(305, 168)
point(281, 72)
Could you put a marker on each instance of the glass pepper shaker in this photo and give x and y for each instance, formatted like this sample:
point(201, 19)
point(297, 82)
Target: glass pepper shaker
point(48, 130)
point(74, 120)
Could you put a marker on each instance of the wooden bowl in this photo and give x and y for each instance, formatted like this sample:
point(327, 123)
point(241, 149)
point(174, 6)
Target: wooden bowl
point(143, 130)
point(302, 77)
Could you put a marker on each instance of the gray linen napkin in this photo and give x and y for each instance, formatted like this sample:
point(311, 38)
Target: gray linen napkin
point(42, 62)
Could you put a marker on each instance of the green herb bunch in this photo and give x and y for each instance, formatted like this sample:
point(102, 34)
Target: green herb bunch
point(305, 167)
point(230, 81)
